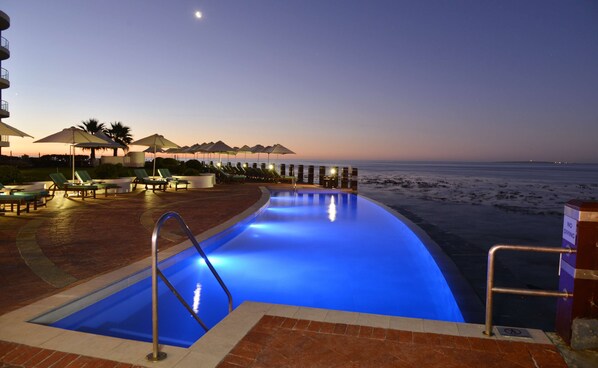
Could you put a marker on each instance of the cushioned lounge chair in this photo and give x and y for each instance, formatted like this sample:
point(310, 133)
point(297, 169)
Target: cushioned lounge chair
point(165, 174)
point(40, 195)
point(141, 177)
point(227, 177)
point(86, 179)
point(60, 183)
point(19, 200)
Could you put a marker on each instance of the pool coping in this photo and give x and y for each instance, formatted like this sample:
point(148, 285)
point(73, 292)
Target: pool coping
point(214, 345)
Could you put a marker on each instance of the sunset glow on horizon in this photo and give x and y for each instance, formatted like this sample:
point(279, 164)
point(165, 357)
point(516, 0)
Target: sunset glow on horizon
point(331, 80)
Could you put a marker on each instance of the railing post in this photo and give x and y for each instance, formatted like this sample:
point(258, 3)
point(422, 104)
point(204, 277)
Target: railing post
point(156, 355)
point(578, 316)
point(489, 293)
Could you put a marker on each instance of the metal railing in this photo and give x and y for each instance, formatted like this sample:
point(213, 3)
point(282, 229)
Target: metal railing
point(4, 105)
point(4, 42)
point(491, 289)
point(4, 73)
point(156, 354)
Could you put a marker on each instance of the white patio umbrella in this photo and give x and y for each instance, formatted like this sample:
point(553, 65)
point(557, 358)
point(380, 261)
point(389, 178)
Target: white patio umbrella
point(108, 142)
point(154, 142)
point(8, 130)
point(279, 149)
point(204, 148)
point(71, 136)
point(244, 149)
point(220, 147)
point(258, 148)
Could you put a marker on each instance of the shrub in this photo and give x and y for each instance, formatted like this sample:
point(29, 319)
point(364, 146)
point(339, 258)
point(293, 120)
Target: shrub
point(110, 171)
point(10, 175)
point(191, 172)
point(194, 164)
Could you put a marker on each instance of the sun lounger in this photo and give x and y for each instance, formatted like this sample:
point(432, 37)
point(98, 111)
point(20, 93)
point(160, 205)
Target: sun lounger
point(18, 200)
point(60, 183)
point(141, 177)
point(86, 179)
point(226, 177)
point(40, 195)
point(165, 174)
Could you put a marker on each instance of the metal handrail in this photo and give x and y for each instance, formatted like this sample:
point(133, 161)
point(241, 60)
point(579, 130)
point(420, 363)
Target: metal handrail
point(4, 42)
point(156, 354)
point(490, 288)
point(4, 73)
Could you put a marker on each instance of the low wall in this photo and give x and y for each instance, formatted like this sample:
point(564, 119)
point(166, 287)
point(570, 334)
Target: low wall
point(201, 181)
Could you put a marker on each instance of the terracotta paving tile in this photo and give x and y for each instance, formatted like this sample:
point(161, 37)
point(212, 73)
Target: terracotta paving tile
point(327, 327)
point(426, 338)
point(314, 326)
point(289, 323)
point(67, 361)
point(358, 347)
point(238, 360)
point(225, 364)
point(301, 325)
point(544, 355)
point(365, 331)
point(340, 328)
point(483, 344)
point(52, 359)
point(247, 349)
point(506, 346)
point(259, 338)
point(39, 357)
point(16, 355)
point(379, 333)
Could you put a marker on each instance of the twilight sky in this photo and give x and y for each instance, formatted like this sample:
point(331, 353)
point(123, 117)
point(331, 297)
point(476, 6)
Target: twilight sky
point(330, 79)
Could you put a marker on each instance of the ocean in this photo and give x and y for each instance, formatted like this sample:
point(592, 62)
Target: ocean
point(469, 207)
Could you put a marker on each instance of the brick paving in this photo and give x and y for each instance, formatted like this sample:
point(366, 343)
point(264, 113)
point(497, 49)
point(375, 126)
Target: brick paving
point(95, 236)
point(288, 342)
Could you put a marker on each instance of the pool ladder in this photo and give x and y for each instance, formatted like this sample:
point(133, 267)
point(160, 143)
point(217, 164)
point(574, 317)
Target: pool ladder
point(156, 354)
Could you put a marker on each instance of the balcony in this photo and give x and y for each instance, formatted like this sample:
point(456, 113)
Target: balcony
point(4, 51)
point(4, 141)
point(4, 82)
point(4, 21)
point(4, 109)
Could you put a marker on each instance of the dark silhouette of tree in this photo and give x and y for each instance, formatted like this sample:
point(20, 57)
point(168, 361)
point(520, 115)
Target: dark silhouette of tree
point(120, 134)
point(92, 126)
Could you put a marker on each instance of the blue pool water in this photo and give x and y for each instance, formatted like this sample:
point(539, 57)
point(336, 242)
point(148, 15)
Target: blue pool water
point(325, 250)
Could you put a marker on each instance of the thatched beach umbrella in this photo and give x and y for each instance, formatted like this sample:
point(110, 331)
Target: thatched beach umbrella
point(71, 136)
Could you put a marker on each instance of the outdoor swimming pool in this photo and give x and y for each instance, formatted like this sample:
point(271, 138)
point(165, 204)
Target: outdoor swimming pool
point(325, 250)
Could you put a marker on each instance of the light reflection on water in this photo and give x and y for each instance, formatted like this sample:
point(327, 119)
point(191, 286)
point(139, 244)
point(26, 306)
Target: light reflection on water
point(325, 250)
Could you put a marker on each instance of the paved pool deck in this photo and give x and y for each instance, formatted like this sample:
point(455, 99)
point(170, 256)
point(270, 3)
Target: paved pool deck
point(72, 247)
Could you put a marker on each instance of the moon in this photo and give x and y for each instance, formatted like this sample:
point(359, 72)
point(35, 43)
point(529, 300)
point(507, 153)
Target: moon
point(198, 14)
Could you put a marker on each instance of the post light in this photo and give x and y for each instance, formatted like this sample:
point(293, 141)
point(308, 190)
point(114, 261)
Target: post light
point(245, 164)
point(218, 164)
point(271, 166)
point(333, 171)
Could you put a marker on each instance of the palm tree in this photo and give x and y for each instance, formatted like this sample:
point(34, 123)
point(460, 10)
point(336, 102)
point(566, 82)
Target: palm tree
point(120, 134)
point(92, 126)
